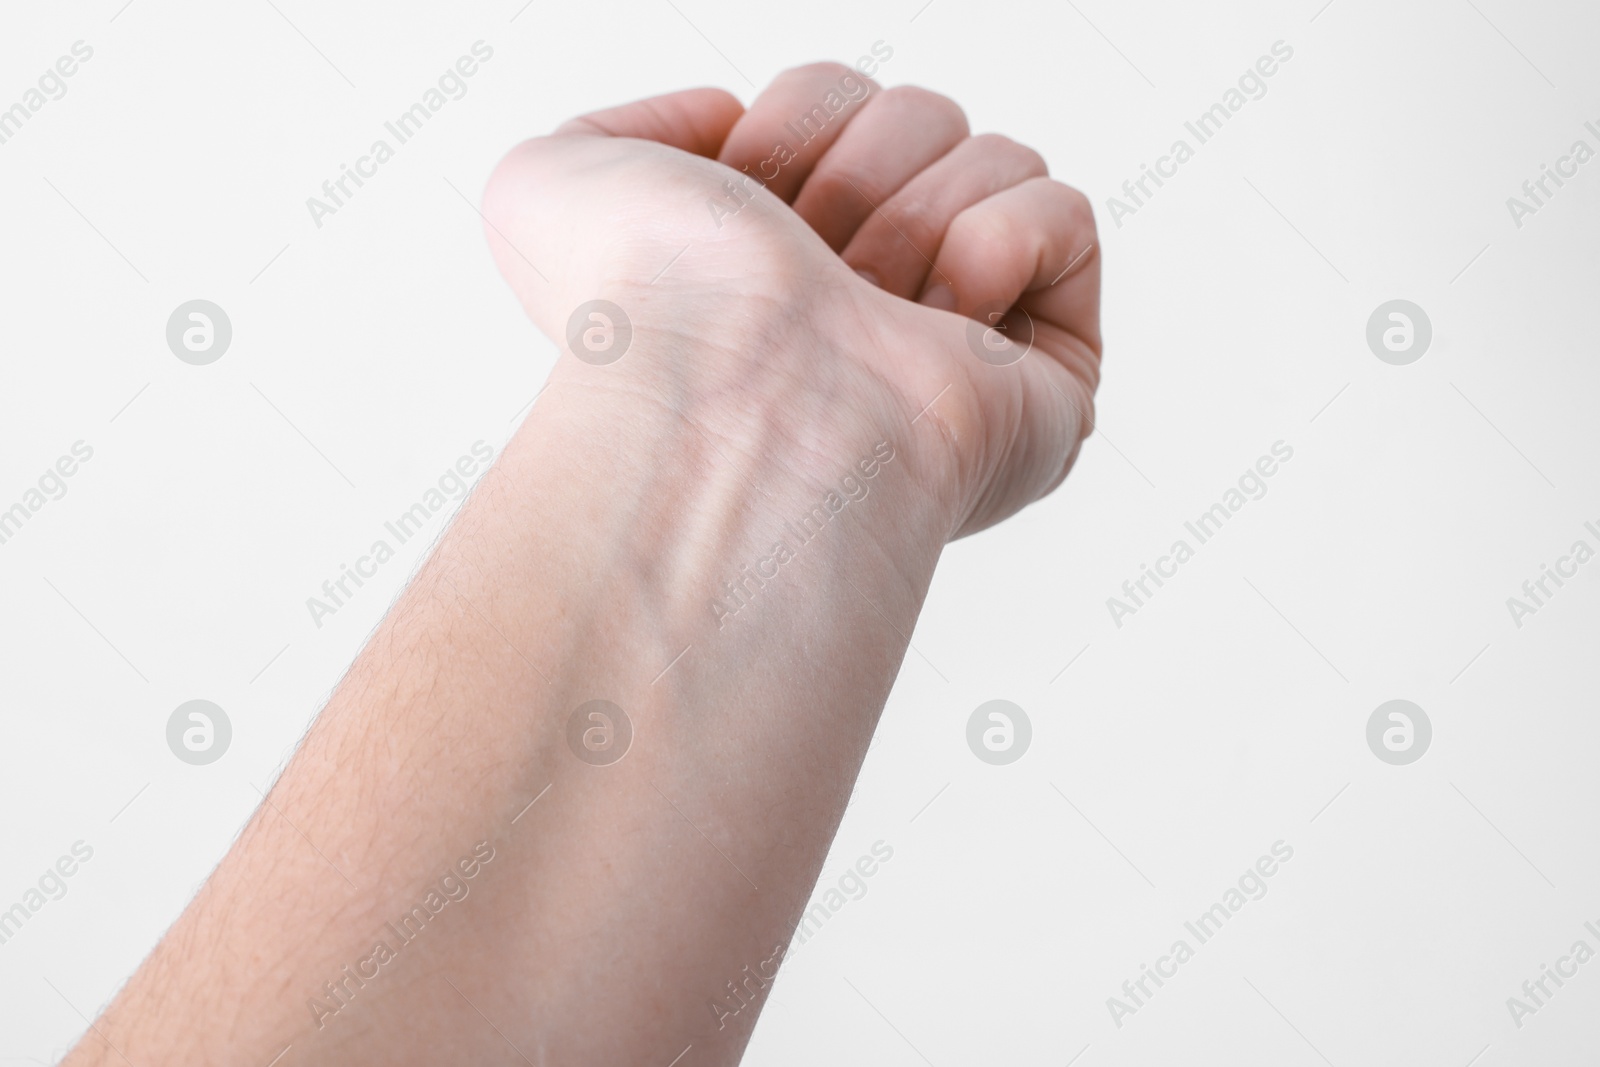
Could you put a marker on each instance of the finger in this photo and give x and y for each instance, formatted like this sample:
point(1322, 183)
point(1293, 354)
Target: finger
point(897, 243)
point(1034, 243)
point(793, 123)
point(695, 120)
point(898, 133)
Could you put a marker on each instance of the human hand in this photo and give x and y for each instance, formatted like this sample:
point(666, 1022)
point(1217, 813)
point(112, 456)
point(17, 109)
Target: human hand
point(615, 553)
point(838, 300)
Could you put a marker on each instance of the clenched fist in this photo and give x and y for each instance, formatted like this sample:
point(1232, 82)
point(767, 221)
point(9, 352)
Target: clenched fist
point(837, 255)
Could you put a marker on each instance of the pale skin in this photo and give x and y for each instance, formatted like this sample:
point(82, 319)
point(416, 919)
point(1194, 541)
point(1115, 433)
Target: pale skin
point(819, 326)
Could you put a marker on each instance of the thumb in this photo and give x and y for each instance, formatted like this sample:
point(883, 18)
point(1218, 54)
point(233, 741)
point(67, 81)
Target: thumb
point(560, 211)
point(694, 120)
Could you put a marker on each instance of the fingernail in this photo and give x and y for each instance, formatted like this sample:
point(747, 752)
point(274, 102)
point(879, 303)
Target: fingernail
point(872, 279)
point(938, 295)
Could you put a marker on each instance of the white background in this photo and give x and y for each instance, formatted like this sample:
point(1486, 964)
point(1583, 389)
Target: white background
point(370, 353)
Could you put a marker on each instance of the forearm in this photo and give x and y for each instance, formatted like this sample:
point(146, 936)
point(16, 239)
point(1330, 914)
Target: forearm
point(626, 548)
point(727, 533)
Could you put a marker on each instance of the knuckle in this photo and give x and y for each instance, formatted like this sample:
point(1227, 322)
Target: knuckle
point(915, 218)
point(857, 185)
point(927, 105)
point(1079, 211)
point(985, 226)
point(999, 146)
point(825, 69)
point(904, 217)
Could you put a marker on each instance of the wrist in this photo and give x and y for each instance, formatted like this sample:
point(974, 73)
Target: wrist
point(774, 416)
